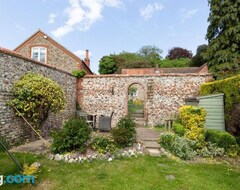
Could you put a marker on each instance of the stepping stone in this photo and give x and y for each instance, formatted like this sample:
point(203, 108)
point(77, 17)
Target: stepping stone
point(170, 177)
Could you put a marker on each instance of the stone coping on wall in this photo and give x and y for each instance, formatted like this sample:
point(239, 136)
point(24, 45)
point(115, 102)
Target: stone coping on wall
point(18, 55)
point(147, 75)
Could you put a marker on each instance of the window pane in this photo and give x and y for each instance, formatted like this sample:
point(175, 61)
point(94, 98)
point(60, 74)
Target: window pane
point(39, 54)
point(35, 55)
point(43, 58)
point(43, 55)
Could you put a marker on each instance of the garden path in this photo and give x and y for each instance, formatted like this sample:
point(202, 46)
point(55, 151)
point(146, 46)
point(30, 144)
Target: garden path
point(148, 137)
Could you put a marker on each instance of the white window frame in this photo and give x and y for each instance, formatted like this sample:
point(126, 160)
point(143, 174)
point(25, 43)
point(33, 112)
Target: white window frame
point(37, 49)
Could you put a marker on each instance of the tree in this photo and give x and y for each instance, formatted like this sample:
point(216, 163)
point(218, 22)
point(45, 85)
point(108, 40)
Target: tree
point(223, 35)
point(150, 52)
point(107, 65)
point(199, 59)
point(35, 96)
point(178, 52)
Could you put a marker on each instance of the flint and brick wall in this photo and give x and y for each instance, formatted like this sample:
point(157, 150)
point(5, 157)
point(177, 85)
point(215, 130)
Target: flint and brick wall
point(163, 94)
point(12, 67)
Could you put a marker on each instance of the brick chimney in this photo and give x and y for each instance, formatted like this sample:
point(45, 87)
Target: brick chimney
point(87, 60)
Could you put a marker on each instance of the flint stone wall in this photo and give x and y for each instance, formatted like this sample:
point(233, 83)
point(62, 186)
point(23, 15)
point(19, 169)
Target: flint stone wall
point(163, 94)
point(12, 67)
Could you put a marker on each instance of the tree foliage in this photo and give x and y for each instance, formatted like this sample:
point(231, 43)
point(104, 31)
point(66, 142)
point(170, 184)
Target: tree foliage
point(146, 57)
point(79, 73)
point(150, 52)
point(107, 65)
point(199, 59)
point(223, 35)
point(181, 62)
point(35, 96)
point(178, 52)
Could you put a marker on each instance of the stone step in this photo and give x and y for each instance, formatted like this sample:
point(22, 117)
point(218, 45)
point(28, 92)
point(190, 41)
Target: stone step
point(140, 122)
point(154, 152)
point(151, 144)
point(147, 138)
point(136, 116)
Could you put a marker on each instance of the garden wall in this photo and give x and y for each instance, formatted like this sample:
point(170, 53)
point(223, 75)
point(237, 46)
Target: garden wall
point(12, 67)
point(163, 94)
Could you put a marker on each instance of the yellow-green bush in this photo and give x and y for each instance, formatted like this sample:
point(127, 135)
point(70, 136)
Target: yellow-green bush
point(35, 96)
point(193, 118)
point(231, 89)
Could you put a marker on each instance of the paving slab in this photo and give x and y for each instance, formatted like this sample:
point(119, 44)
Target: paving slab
point(37, 147)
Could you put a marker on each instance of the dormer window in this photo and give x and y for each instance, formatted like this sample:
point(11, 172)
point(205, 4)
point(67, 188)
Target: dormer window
point(39, 54)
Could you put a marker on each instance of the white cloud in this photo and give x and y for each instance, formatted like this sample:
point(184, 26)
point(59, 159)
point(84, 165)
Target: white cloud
point(82, 54)
point(82, 14)
point(187, 13)
point(148, 11)
point(51, 18)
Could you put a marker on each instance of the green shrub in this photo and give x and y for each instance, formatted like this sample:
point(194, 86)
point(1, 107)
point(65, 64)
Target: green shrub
point(103, 145)
point(74, 135)
point(178, 128)
point(180, 146)
point(35, 96)
point(5, 143)
point(224, 140)
point(166, 140)
point(78, 73)
point(231, 90)
point(125, 133)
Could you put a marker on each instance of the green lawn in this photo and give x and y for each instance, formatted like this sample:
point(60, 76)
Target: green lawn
point(144, 173)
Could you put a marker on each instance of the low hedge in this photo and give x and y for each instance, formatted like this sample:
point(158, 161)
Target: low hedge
point(223, 139)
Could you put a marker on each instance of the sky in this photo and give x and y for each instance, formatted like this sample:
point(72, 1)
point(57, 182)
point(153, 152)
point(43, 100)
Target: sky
point(106, 27)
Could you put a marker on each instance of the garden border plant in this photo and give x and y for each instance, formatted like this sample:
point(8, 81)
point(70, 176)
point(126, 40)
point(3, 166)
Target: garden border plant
point(193, 119)
point(124, 134)
point(191, 138)
point(73, 136)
